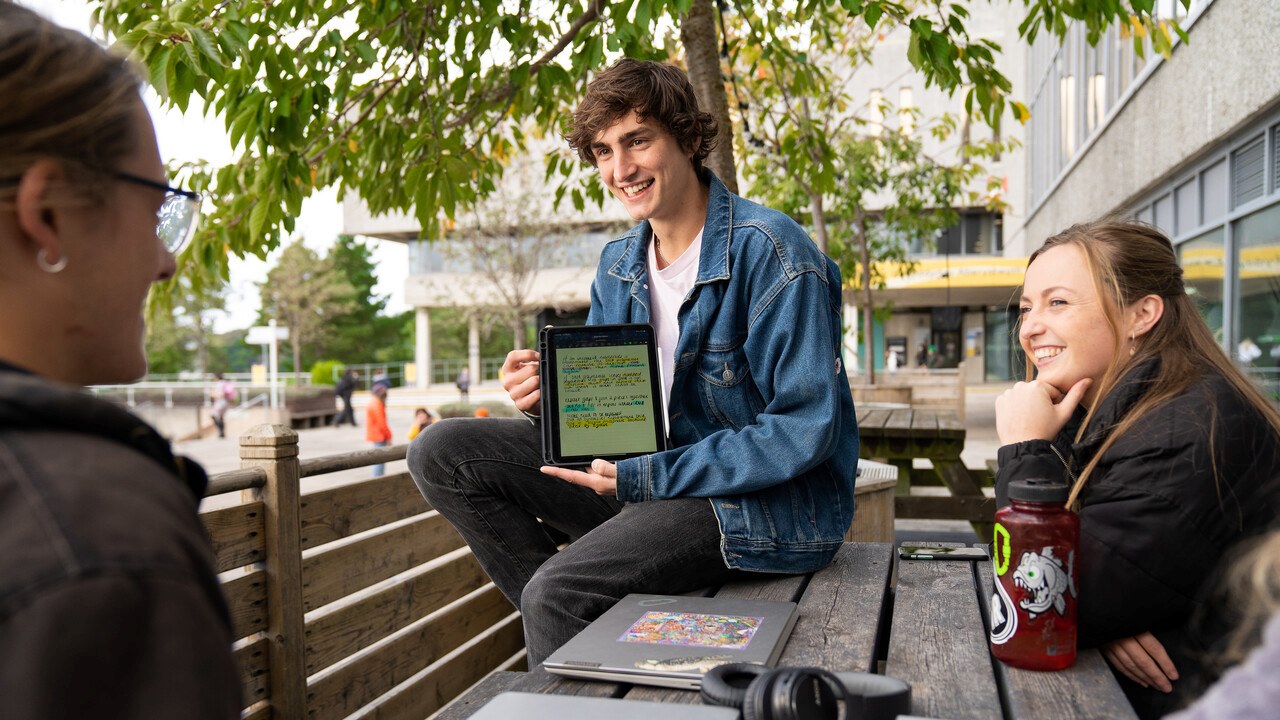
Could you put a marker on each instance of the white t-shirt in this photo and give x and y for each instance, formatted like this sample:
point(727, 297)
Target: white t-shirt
point(668, 288)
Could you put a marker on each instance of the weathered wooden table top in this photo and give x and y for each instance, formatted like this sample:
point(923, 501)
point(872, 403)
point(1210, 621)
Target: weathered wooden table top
point(928, 628)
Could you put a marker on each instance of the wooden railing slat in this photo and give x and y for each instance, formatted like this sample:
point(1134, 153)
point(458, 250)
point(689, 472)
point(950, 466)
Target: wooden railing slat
point(236, 534)
point(435, 686)
point(336, 513)
point(260, 711)
point(332, 573)
point(255, 674)
point(347, 687)
point(247, 601)
point(337, 634)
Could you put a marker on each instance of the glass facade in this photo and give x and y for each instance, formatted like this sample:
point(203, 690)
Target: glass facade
point(1223, 216)
point(1076, 88)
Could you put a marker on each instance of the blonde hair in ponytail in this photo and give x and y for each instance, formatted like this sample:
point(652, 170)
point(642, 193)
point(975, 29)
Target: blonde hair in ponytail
point(67, 99)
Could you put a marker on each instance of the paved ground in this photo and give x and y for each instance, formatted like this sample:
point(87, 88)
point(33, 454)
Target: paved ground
point(220, 455)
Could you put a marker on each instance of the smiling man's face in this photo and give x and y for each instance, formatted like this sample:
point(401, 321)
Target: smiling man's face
point(644, 166)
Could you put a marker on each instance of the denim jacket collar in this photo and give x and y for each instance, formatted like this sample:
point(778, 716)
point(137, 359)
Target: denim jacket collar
point(717, 229)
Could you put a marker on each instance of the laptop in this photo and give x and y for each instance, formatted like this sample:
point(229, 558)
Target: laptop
point(537, 706)
point(672, 640)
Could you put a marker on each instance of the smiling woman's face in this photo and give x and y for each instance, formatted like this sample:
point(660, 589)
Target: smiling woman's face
point(1063, 321)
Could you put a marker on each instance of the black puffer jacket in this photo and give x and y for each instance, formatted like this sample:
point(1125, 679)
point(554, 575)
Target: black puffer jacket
point(1155, 520)
point(109, 605)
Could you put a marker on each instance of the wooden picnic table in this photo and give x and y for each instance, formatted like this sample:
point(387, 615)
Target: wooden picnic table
point(924, 623)
point(899, 436)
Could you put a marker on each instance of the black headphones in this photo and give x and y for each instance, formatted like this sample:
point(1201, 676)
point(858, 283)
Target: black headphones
point(804, 693)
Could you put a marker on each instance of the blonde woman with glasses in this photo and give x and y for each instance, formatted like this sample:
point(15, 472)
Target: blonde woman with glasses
point(109, 603)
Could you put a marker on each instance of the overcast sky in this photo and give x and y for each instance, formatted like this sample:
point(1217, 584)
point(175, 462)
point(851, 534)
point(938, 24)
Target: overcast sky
point(191, 136)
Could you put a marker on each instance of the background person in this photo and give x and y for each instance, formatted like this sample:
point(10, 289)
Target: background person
point(763, 438)
point(421, 419)
point(1172, 454)
point(222, 394)
point(345, 387)
point(109, 603)
point(463, 383)
point(377, 431)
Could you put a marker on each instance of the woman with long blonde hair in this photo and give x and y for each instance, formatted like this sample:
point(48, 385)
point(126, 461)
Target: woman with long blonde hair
point(1172, 455)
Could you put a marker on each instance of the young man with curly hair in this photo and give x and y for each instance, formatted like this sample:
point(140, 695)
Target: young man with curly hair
point(764, 444)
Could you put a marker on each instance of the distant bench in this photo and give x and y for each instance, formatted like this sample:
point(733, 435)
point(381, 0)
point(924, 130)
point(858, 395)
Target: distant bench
point(921, 389)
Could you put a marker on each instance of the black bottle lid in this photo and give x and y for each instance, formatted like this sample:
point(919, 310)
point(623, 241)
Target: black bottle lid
point(1039, 490)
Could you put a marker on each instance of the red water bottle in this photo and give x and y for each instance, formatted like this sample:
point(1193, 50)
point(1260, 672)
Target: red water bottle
point(1033, 555)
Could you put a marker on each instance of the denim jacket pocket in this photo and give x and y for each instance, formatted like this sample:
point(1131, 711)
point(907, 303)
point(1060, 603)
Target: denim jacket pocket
point(725, 386)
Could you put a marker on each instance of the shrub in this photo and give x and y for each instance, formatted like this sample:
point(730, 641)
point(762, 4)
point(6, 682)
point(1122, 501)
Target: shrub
point(326, 372)
point(496, 409)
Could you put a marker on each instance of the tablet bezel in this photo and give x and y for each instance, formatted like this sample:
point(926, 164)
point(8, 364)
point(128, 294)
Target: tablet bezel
point(600, 334)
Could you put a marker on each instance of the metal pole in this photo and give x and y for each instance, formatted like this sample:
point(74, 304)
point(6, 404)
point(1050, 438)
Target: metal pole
point(274, 353)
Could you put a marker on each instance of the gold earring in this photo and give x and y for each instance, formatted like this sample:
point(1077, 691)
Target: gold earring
point(1133, 344)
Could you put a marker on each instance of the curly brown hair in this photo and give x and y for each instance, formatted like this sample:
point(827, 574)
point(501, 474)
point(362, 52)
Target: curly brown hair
point(654, 91)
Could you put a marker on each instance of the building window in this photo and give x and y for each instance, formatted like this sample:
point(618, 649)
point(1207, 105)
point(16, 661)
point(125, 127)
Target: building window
point(1213, 192)
point(875, 111)
point(976, 233)
point(1248, 168)
point(906, 111)
point(1188, 201)
point(1164, 215)
point(1203, 269)
point(1067, 115)
point(1258, 238)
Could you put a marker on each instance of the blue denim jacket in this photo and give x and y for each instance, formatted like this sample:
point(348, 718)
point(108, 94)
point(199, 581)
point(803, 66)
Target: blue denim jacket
point(761, 416)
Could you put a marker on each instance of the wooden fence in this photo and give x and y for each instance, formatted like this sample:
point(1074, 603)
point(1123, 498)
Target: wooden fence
point(353, 600)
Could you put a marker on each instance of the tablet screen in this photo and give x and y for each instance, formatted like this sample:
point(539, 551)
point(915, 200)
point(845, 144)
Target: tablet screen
point(602, 393)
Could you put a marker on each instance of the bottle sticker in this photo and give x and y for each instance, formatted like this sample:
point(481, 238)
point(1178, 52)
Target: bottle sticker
point(1000, 550)
point(1004, 621)
point(1046, 579)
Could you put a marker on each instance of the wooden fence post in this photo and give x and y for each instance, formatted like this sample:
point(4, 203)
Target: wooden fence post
point(274, 448)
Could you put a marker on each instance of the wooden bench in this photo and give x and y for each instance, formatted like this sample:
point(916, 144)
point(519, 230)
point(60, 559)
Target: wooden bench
point(353, 599)
point(928, 628)
point(900, 436)
point(925, 389)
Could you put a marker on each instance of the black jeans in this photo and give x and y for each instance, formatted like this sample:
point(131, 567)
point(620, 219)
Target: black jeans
point(482, 474)
point(346, 416)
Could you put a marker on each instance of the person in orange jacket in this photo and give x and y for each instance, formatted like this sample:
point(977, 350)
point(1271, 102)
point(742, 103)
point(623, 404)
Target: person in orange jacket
point(375, 422)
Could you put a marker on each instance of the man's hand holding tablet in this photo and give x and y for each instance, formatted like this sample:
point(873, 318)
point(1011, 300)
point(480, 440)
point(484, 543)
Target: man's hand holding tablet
point(520, 380)
point(602, 477)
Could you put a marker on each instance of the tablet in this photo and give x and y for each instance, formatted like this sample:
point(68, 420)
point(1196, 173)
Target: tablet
point(601, 393)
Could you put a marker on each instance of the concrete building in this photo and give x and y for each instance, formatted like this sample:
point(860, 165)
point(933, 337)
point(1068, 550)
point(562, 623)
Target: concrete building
point(1190, 143)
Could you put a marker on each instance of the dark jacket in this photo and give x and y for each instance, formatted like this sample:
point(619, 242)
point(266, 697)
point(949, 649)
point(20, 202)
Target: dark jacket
point(109, 604)
point(1155, 521)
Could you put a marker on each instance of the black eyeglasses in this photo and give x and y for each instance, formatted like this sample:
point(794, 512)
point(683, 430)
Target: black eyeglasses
point(178, 216)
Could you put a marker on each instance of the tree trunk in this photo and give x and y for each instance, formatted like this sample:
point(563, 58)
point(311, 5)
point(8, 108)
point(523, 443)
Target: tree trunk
point(297, 360)
point(517, 332)
point(702, 55)
point(868, 321)
point(819, 222)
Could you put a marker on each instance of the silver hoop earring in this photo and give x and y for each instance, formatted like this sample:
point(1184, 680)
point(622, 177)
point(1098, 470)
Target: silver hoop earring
point(42, 259)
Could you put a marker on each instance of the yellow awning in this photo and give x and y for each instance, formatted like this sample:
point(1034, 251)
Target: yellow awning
point(963, 272)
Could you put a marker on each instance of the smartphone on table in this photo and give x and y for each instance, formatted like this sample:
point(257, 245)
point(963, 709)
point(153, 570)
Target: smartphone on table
point(930, 550)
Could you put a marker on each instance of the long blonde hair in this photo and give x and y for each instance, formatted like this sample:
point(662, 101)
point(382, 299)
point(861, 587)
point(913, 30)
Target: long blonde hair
point(66, 99)
point(1253, 586)
point(1128, 261)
